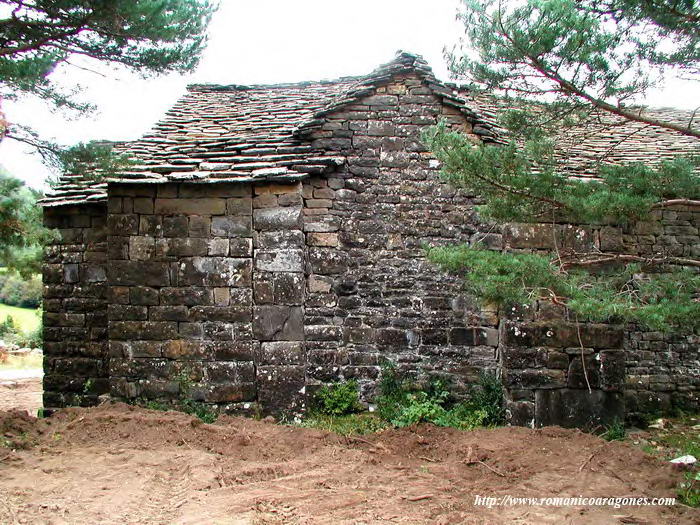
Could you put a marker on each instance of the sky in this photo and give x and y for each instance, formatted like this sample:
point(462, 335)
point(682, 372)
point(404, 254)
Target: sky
point(256, 42)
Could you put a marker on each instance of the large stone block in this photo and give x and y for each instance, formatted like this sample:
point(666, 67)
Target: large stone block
point(148, 330)
point(188, 296)
point(278, 323)
point(328, 261)
point(228, 392)
point(284, 260)
point(281, 388)
point(281, 353)
point(215, 271)
point(135, 273)
point(230, 372)
point(232, 226)
point(560, 334)
point(281, 288)
point(181, 206)
point(272, 219)
point(176, 226)
point(578, 408)
point(226, 314)
point(123, 224)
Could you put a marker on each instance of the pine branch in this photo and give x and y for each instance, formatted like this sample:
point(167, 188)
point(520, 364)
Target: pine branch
point(676, 202)
point(606, 258)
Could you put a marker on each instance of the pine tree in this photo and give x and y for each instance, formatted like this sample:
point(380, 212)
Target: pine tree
point(565, 64)
point(38, 36)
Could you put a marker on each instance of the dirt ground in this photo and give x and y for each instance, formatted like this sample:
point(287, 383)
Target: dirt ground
point(120, 464)
point(20, 393)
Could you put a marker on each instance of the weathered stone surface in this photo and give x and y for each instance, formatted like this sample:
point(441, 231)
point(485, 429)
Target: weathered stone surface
point(282, 288)
point(578, 408)
point(273, 219)
point(224, 272)
point(229, 226)
point(278, 323)
point(282, 388)
point(281, 353)
point(183, 206)
point(215, 271)
point(135, 273)
point(280, 261)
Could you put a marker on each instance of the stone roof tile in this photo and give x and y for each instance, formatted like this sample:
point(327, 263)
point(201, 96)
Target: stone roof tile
point(233, 133)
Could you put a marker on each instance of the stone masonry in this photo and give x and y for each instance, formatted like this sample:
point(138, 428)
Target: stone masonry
point(256, 255)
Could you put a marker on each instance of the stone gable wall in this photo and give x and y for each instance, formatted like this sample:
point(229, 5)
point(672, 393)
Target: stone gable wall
point(372, 296)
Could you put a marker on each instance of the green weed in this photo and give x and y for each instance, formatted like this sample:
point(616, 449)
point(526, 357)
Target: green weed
point(615, 431)
point(338, 399)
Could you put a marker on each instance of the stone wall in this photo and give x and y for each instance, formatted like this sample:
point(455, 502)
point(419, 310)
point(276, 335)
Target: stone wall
point(206, 287)
point(243, 294)
point(75, 307)
point(180, 276)
point(663, 369)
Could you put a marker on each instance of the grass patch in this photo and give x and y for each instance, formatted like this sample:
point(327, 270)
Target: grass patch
point(679, 438)
point(26, 319)
point(345, 425)
point(404, 402)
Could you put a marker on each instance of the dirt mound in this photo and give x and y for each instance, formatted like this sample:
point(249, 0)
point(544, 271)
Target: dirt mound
point(117, 464)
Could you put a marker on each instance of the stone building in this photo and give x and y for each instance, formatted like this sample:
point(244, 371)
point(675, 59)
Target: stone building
point(268, 239)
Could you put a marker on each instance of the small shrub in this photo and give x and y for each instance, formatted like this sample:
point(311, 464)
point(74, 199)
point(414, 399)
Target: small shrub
point(8, 327)
point(615, 432)
point(488, 396)
point(338, 399)
point(402, 403)
point(202, 411)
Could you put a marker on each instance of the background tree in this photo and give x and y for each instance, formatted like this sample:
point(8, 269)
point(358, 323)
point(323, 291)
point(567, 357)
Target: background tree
point(38, 36)
point(22, 234)
point(567, 64)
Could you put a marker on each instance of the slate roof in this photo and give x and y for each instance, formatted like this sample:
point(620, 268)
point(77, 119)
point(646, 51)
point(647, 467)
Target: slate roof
point(236, 133)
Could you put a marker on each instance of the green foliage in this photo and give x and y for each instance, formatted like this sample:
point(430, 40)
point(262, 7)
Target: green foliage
point(200, 410)
point(657, 301)
point(402, 403)
point(564, 64)
point(22, 233)
point(94, 158)
point(186, 404)
point(151, 36)
point(487, 395)
point(346, 425)
point(338, 399)
point(521, 182)
point(20, 292)
point(584, 51)
point(615, 431)
point(8, 327)
point(689, 491)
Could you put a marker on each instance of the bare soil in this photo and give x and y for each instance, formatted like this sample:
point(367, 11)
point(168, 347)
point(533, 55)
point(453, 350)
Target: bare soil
point(23, 393)
point(120, 464)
